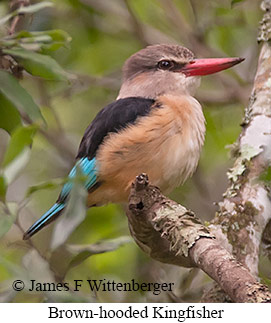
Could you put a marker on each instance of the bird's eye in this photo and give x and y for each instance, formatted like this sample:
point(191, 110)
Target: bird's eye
point(165, 64)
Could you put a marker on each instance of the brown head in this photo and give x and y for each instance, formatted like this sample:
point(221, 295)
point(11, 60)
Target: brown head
point(167, 69)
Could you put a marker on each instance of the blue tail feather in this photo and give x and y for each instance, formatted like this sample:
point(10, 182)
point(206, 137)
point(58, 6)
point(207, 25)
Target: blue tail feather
point(48, 217)
point(86, 167)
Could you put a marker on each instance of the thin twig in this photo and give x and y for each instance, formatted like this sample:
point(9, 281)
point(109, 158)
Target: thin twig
point(190, 38)
point(136, 25)
point(16, 19)
point(59, 141)
point(46, 101)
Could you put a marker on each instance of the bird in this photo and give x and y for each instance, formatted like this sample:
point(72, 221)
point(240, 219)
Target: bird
point(155, 126)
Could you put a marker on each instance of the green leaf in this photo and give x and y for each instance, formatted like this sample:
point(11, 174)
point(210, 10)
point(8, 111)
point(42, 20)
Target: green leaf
point(3, 188)
point(10, 172)
point(37, 40)
point(29, 9)
point(73, 215)
point(38, 64)
point(6, 222)
point(53, 184)
point(10, 117)
point(67, 256)
point(35, 7)
point(233, 2)
point(82, 252)
point(13, 268)
point(20, 139)
point(11, 89)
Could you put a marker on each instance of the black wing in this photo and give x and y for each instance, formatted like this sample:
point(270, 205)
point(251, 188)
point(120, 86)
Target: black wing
point(112, 118)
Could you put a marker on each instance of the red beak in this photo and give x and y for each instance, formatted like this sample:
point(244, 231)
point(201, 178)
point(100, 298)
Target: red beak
point(206, 66)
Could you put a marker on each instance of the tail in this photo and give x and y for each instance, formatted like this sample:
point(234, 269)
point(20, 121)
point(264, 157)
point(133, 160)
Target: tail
point(47, 218)
point(88, 168)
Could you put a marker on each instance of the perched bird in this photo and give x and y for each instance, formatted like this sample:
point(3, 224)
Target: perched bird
point(155, 126)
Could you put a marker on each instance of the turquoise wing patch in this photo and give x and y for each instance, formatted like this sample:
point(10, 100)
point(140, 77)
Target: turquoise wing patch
point(83, 167)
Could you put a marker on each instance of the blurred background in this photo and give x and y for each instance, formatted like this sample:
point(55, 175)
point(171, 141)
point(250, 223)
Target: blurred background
point(102, 35)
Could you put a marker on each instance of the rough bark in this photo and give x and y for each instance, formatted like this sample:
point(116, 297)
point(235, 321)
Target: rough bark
point(170, 233)
point(246, 208)
point(243, 221)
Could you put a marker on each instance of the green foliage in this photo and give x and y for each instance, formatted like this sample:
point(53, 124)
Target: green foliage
point(26, 10)
point(233, 2)
point(48, 40)
point(45, 186)
point(38, 64)
point(76, 254)
point(6, 222)
point(92, 39)
point(10, 116)
point(82, 252)
point(18, 96)
point(3, 188)
point(21, 138)
point(73, 214)
point(17, 154)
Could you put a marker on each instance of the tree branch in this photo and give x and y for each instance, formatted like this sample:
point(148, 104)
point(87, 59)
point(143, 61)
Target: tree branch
point(170, 233)
point(246, 208)
point(14, 22)
point(244, 217)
